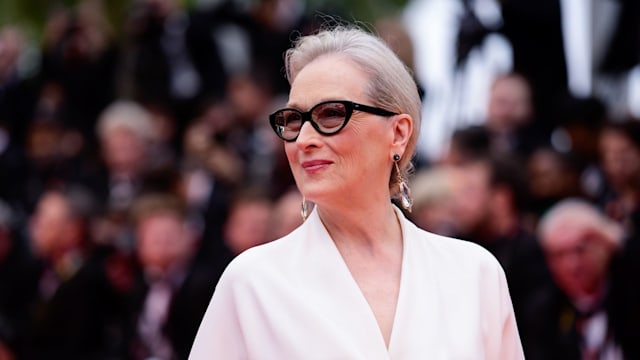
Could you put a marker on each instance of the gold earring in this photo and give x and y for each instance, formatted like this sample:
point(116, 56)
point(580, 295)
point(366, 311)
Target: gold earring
point(405, 193)
point(304, 211)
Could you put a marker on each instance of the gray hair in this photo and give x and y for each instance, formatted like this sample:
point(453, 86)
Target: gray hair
point(126, 114)
point(391, 85)
point(580, 213)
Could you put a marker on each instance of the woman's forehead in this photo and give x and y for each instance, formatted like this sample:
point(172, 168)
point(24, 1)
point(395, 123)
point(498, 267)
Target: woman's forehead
point(328, 78)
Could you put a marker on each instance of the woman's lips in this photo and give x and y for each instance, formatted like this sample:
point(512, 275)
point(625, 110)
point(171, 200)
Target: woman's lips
point(315, 165)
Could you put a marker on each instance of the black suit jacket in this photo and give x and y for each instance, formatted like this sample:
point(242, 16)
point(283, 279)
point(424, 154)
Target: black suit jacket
point(79, 321)
point(189, 301)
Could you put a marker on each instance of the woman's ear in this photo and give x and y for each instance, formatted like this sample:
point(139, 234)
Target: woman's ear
point(402, 130)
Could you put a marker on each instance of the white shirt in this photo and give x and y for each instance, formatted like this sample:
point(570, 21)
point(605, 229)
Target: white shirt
point(295, 298)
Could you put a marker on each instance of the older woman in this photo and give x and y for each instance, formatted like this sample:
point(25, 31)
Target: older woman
point(357, 280)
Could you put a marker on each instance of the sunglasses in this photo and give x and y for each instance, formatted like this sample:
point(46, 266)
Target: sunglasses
point(327, 117)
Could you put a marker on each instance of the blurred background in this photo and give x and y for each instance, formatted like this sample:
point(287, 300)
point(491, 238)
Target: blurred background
point(136, 160)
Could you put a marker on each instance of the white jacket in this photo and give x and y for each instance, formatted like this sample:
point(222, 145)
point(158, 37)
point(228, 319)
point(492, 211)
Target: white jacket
point(294, 298)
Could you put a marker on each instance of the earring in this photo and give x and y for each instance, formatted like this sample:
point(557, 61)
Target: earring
point(304, 211)
point(405, 192)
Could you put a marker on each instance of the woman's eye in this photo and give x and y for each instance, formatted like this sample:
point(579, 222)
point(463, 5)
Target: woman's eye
point(331, 112)
point(292, 118)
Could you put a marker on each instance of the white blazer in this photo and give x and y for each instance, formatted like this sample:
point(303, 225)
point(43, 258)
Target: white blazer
point(294, 298)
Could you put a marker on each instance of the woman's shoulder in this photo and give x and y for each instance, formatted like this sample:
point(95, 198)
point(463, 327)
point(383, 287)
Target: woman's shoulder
point(263, 259)
point(452, 250)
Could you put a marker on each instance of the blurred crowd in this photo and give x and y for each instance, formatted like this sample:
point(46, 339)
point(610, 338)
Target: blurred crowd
point(135, 164)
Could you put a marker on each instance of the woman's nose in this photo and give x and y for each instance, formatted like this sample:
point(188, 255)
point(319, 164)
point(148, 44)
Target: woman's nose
point(308, 135)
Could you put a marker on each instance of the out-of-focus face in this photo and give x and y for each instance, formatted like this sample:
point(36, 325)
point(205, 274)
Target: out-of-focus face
point(509, 103)
point(11, 43)
point(43, 143)
point(620, 160)
point(285, 216)
point(472, 198)
point(341, 168)
point(247, 98)
point(247, 225)
point(51, 225)
point(547, 178)
point(578, 259)
point(123, 151)
point(163, 241)
point(437, 194)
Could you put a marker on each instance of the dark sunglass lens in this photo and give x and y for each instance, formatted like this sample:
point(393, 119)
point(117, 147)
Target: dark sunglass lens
point(330, 116)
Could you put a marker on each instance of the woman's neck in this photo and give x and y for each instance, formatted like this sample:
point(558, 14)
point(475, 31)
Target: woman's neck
point(375, 229)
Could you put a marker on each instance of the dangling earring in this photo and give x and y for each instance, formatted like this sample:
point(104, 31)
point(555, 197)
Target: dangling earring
point(304, 211)
point(405, 193)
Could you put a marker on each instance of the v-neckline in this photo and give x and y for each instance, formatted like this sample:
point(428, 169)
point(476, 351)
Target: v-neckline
point(358, 293)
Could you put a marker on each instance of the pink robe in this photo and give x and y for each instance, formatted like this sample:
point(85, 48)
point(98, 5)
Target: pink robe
point(294, 298)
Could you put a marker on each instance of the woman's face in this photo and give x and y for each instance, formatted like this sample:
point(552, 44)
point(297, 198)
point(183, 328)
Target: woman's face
point(354, 162)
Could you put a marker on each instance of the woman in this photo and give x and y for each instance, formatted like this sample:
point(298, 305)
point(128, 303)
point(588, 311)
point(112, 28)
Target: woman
point(357, 280)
